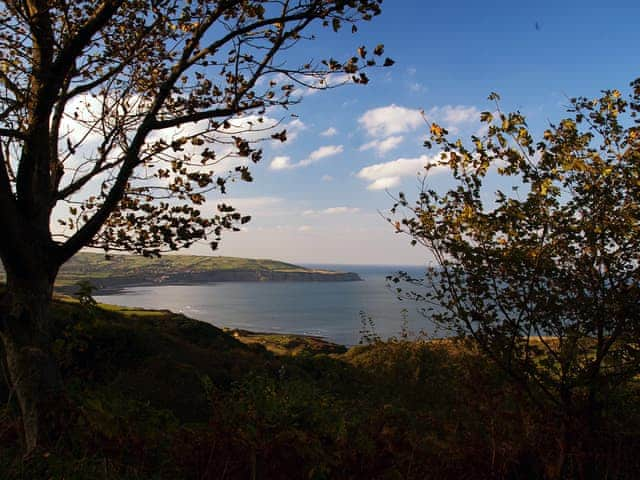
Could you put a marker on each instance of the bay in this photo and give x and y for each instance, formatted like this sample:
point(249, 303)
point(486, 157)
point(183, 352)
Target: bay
point(333, 310)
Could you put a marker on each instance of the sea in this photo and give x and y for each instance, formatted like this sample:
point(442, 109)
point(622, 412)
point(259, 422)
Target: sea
point(346, 313)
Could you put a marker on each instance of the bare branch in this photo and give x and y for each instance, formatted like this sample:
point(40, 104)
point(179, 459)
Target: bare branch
point(205, 115)
point(12, 133)
point(74, 47)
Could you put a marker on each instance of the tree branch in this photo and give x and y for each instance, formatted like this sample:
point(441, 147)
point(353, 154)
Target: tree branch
point(187, 59)
point(87, 87)
point(215, 46)
point(205, 115)
point(67, 56)
point(93, 225)
point(82, 181)
point(11, 86)
point(12, 133)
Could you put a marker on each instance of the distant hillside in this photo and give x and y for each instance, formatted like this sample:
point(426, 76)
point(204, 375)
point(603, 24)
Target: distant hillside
point(115, 271)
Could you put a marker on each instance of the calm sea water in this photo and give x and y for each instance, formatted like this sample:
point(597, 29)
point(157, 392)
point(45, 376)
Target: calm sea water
point(331, 309)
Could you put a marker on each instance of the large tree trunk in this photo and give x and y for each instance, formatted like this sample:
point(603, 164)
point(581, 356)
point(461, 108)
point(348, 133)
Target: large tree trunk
point(26, 336)
point(593, 468)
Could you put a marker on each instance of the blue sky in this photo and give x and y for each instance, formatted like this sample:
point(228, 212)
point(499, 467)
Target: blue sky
point(318, 197)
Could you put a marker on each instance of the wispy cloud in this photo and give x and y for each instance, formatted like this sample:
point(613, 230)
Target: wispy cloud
point(454, 114)
point(383, 146)
point(417, 87)
point(257, 207)
point(327, 178)
point(389, 174)
point(284, 162)
point(323, 152)
point(330, 132)
point(330, 80)
point(331, 211)
point(453, 117)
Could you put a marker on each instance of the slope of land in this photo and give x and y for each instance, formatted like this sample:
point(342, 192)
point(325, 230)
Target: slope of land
point(157, 395)
point(116, 271)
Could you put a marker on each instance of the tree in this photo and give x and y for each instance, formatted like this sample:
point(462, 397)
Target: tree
point(120, 110)
point(544, 276)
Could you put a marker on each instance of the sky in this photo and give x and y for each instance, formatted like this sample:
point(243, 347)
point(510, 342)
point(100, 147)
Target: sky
point(322, 196)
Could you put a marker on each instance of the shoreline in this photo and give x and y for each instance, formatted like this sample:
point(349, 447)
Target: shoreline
point(117, 286)
point(281, 343)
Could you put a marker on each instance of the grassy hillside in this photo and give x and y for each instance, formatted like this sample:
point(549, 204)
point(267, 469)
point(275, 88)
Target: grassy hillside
point(160, 396)
point(118, 270)
point(100, 266)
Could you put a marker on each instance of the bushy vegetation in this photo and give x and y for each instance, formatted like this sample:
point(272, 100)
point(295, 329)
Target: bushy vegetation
point(158, 395)
point(536, 256)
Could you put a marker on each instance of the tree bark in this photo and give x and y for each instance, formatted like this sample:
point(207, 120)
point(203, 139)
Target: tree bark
point(592, 449)
point(35, 380)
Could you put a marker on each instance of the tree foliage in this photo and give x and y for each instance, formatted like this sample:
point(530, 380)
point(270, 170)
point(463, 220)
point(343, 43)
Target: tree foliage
point(544, 276)
point(93, 94)
point(117, 118)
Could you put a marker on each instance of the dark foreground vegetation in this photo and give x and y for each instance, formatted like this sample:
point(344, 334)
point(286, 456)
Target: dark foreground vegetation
point(157, 395)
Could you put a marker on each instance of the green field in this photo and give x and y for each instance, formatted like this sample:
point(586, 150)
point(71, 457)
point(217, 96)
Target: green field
point(116, 270)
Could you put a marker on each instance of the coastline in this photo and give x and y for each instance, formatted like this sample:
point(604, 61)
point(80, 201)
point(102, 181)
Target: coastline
point(118, 284)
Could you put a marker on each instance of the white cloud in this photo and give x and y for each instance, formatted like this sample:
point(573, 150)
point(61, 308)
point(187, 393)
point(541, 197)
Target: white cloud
point(330, 80)
point(281, 163)
point(331, 211)
point(83, 126)
point(383, 146)
point(340, 210)
point(284, 163)
point(390, 120)
point(389, 174)
point(327, 178)
point(330, 132)
point(293, 128)
point(393, 119)
point(385, 183)
point(323, 152)
point(452, 117)
point(454, 114)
